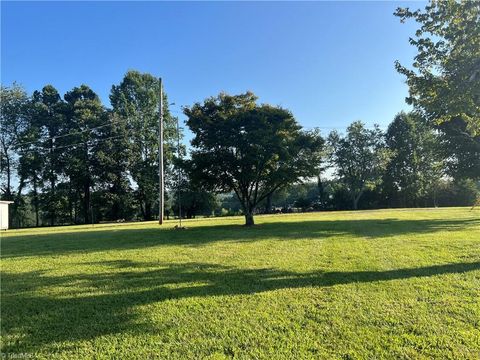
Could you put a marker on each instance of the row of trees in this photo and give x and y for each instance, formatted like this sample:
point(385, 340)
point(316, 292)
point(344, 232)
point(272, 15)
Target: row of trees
point(66, 159)
point(409, 165)
point(72, 160)
point(405, 164)
point(325, 194)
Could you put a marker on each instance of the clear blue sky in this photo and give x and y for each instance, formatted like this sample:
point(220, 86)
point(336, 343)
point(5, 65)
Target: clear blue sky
point(330, 63)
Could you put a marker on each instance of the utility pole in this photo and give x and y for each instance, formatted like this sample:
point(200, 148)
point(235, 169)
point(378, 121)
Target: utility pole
point(179, 177)
point(160, 159)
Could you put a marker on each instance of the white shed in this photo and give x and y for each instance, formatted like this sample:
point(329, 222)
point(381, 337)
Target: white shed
point(4, 214)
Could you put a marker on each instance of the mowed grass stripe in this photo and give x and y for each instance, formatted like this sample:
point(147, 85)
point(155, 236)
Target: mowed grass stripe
point(367, 284)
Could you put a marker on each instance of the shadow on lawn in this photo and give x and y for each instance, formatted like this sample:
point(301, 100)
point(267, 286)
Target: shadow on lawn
point(92, 305)
point(120, 238)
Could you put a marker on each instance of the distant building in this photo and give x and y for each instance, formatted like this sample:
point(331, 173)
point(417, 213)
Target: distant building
point(4, 214)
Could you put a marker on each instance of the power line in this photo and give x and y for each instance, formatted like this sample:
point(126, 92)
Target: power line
point(94, 141)
point(72, 133)
point(69, 134)
point(339, 127)
point(161, 183)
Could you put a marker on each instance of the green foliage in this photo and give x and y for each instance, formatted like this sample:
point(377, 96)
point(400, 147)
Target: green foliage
point(253, 150)
point(13, 119)
point(359, 158)
point(461, 154)
point(415, 166)
point(84, 111)
point(338, 285)
point(194, 199)
point(444, 83)
point(74, 161)
point(304, 195)
point(230, 203)
point(136, 101)
point(195, 202)
point(111, 170)
point(458, 193)
point(48, 121)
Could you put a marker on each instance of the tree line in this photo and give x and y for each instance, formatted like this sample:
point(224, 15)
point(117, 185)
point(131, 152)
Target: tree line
point(70, 159)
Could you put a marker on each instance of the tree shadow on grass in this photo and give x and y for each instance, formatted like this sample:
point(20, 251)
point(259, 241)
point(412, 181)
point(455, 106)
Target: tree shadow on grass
point(126, 238)
point(92, 305)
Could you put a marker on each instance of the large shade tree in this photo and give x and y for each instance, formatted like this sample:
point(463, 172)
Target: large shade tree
point(85, 117)
point(110, 167)
point(13, 120)
point(444, 81)
point(136, 102)
point(30, 165)
point(415, 165)
point(250, 149)
point(48, 119)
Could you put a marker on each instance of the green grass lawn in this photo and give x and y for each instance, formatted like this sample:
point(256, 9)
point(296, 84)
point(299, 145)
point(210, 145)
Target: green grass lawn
point(401, 284)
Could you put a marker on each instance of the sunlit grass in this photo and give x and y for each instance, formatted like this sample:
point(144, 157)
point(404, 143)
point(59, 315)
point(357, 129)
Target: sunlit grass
point(368, 284)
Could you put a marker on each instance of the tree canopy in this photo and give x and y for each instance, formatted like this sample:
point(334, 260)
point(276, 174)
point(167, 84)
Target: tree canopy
point(73, 160)
point(359, 158)
point(250, 149)
point(415, 165)
point(135, 102)
point(444, 81)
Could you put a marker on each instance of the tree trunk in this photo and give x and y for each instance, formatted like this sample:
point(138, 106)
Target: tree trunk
point(70, 201)
point(76, 206)
point(35, 201)
point(142, 208)
point(8, 193)
point(86, 202)
point(356, 199)
point(248, 206)
point(355, 203)
point(17, 203)
point(249, 219)
point(268, 206)
point(52, 187)
point(321, 191)
point(148, 211)
point(52, 202)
